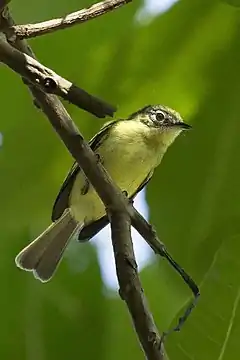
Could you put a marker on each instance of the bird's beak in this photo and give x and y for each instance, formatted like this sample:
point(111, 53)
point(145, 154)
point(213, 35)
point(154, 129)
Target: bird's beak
point(183, 125)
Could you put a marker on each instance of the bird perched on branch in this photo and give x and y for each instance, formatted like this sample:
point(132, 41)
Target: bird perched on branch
point(129, 149)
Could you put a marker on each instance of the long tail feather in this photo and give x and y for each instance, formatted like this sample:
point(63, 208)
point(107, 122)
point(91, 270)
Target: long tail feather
point(43, 255)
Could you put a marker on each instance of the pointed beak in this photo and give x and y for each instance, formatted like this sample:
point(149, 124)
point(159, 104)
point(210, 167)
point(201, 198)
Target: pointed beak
point(186, 126)
point(183, 125)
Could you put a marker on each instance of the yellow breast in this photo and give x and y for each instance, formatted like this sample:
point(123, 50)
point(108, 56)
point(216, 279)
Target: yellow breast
point(127, 157)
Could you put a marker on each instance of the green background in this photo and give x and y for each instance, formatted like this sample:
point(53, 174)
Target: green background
point(187, 58)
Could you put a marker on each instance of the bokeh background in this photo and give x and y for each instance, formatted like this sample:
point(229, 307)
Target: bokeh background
point(187, 57)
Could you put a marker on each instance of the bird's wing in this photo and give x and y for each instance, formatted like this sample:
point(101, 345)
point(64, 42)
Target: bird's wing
point(61, 202)
point(91, 229)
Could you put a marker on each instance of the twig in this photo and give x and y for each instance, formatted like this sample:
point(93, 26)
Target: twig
point(150, 235)
point(117, 206)
point(50, 82)
point(45, 27)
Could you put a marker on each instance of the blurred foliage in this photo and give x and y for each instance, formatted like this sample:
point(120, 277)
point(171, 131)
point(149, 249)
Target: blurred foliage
point(233, 2)
point(189, 59)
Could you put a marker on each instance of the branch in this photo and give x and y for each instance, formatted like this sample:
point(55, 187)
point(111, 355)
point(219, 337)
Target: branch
point(117, 206)
point(149, 234)
point(45, 27)
point(50, 82)
point(130, 287)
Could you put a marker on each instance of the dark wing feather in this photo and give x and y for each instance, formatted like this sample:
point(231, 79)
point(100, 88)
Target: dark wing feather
point(90, 230)
point(61, 202)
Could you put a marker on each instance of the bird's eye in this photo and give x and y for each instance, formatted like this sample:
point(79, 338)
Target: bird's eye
point(160, 116)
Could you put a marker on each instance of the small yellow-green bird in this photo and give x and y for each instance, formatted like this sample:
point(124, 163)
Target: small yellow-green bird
point(129, 149)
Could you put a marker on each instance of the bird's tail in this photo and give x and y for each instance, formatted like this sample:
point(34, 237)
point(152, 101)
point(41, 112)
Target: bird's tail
point(43, 255)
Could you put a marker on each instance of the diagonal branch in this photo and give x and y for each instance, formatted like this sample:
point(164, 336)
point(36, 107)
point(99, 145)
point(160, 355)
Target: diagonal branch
point(117, 206)
point(150, 235)
point(48, 81)
point(45, 27)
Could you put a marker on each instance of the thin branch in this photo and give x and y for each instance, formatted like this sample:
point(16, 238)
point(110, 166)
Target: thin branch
point(149, 234)
point(50, 82)
point(117, 206)
point(45, 27)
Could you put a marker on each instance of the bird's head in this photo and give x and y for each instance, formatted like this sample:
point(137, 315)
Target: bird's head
point(164, 123)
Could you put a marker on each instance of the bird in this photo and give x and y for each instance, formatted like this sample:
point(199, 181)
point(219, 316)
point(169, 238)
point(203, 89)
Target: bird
point(129, 149)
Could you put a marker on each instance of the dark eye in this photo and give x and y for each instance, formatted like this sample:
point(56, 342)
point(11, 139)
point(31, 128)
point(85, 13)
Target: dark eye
point(160, 116)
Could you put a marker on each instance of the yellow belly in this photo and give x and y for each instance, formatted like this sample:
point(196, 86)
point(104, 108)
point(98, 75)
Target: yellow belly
point(127, 164)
